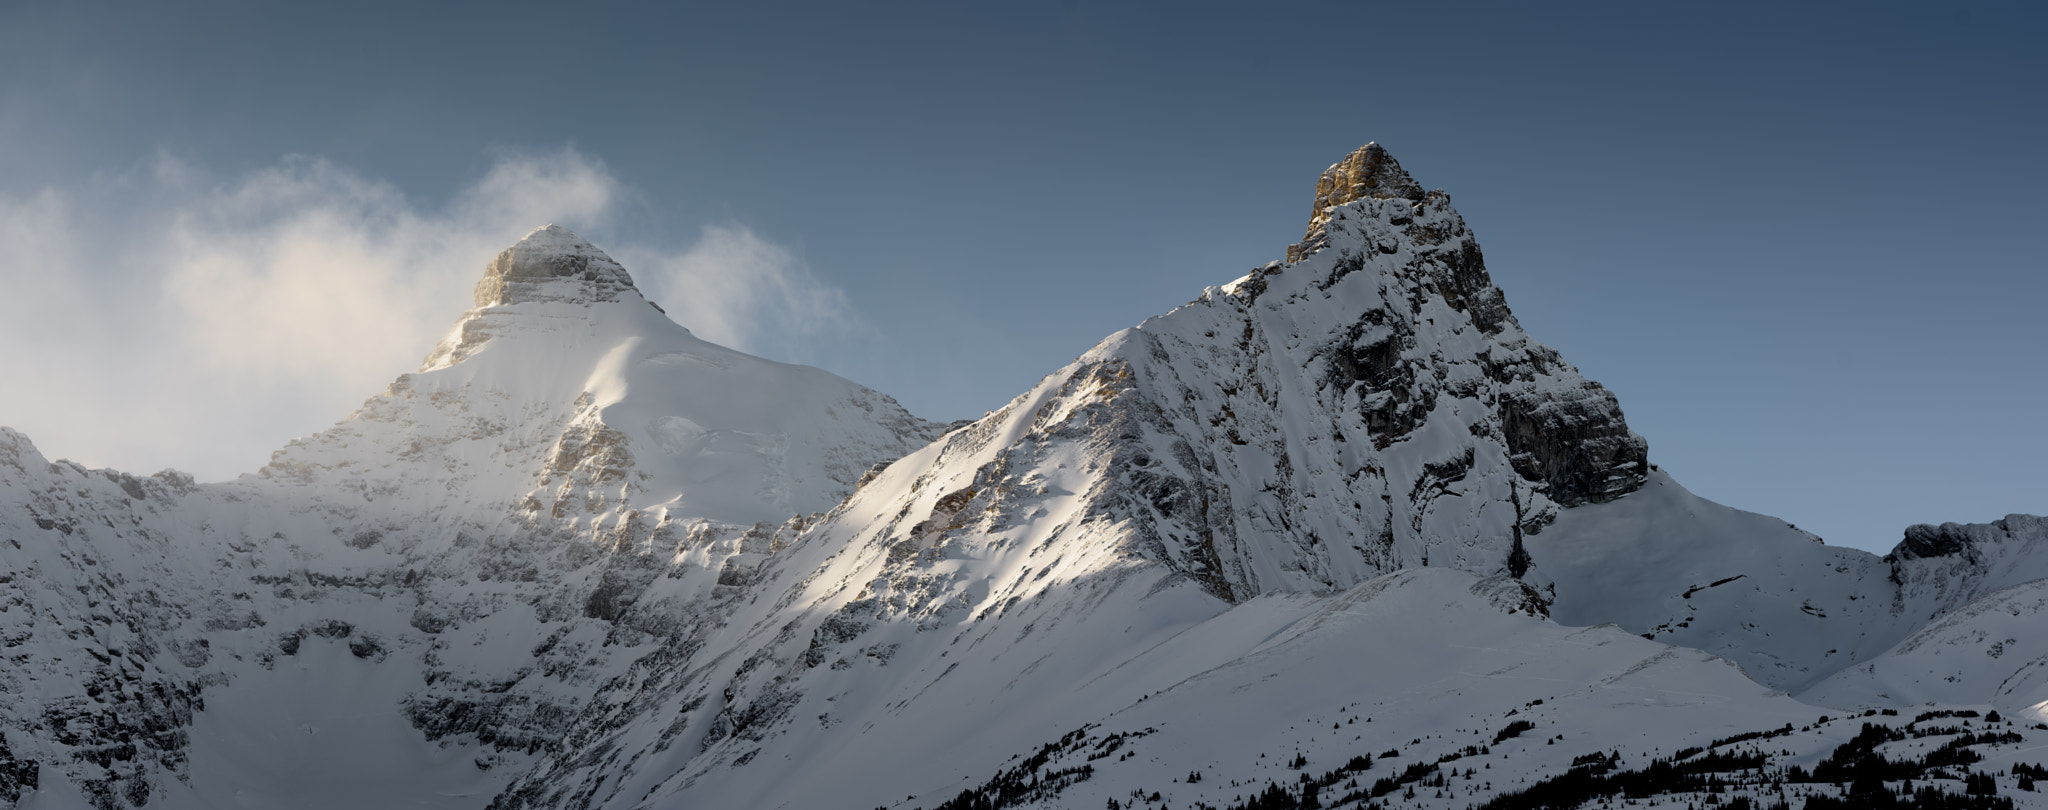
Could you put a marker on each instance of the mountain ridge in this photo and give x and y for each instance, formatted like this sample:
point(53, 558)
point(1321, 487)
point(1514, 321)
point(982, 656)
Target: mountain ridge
point(586, 559)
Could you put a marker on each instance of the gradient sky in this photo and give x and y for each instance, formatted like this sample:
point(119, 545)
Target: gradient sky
point(1799, 241)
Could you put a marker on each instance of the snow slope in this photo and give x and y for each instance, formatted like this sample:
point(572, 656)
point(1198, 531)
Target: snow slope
point(1684, 570)
point(1419, 679)
point(1982, 641)
point(1989, 651)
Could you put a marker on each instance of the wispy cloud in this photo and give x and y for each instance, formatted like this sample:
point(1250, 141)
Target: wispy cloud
point(737, 289)
point(164, 317)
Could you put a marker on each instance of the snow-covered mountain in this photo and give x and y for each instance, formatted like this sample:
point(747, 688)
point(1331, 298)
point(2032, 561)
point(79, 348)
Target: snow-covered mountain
point(561, 449)
point(565, 387)
point(583, 559)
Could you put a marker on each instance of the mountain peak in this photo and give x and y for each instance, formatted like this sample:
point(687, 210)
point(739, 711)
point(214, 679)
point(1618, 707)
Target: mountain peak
point(552, 264)
point(1367, 172)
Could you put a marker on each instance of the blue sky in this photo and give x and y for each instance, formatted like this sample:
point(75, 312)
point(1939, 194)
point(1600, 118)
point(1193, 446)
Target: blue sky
point(1800, 242)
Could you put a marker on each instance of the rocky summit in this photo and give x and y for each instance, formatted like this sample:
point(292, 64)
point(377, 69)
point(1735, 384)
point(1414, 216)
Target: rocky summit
point(1336, 533)
point(552, 264)
point(1368, 172)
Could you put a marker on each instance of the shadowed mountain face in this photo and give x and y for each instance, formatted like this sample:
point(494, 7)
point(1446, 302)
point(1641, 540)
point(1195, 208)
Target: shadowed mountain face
point(583, 559)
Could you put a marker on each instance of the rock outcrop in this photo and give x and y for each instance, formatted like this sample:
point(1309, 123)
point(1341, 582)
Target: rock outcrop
point(552, 264)
point(1368, 172)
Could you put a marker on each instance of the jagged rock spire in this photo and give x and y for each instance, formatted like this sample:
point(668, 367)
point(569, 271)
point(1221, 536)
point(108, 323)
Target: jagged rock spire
point(1368, 172)
point(552, 264)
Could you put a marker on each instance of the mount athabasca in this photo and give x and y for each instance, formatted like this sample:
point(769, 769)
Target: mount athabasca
point(1336, 534)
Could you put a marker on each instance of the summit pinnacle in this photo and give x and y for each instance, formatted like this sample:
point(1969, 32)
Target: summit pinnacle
point(1368, 172)
point(552, 264)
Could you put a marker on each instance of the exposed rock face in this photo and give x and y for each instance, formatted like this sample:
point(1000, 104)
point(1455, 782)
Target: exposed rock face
point(16, 775)
point(1573, 440)
point(1939, 568)
point(1368, 172)
point(1957, 539)
point(552, 264)
point(1926, 540)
